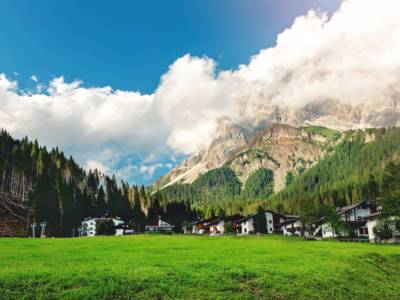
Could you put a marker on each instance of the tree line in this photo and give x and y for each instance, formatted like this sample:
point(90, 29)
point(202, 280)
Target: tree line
point(56, 190)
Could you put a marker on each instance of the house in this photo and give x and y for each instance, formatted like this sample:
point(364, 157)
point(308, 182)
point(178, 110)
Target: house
point(203, 226)
point(124, 229)
point(217, 227)
point(161, 226)
point(88, 227)
point(273, 221)
point(353, 217)
point(371, 221)
point(245, 225)
point(231, 221)
point(293, 226)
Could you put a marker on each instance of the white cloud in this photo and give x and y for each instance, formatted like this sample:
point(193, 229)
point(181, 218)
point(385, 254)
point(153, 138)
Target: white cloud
point(149, 170)
point(92, 164)
point(34, 78)
point(352, 57)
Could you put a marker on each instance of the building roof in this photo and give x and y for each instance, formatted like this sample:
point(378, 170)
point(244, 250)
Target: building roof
point(344, 209)
point(244, 219)
point(289, 217)
point(372, 216)
point(206, 222)
point(234, 218)
point(275, 213)
point(292, 220)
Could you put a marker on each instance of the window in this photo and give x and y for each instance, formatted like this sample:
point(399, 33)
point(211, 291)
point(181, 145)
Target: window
point(270, 222)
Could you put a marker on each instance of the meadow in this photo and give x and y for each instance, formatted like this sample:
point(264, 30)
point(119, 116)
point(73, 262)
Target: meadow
point(191, 267)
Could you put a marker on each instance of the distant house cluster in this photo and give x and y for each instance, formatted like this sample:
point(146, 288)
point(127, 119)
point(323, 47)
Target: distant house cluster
point(358, 221)
point(239, 224)
point(89, 227)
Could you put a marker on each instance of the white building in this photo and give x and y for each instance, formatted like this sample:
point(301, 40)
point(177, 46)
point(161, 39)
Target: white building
point(273, 221)
point(217, 227)
point(371, 221)
point(353, 216)
point(88, 227)
point(161, 226)
point(294, 227)
point(245, 225)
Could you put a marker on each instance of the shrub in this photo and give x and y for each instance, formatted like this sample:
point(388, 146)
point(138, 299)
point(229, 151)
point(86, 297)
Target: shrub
point(105, 227)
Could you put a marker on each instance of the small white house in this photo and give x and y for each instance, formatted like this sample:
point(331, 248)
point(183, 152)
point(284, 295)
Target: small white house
point(88, 227)
point(294, 227)
point(371, 221)
point(273, 221)
point(204, 226)
point(245, 225)
point(353, 215)
point(161, 226)
point(217, 227)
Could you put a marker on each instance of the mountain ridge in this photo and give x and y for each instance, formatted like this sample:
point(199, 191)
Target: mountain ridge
point(232, 136)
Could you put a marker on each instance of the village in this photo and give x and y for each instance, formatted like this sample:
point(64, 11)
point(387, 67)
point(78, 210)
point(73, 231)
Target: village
point(357, 223)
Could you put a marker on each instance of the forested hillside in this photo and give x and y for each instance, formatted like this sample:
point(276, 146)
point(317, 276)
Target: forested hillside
point(353, 172)
point(40, 185)
point(350, 171)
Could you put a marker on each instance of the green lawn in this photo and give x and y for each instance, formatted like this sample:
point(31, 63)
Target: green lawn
point(330, 134)
point(187, 267)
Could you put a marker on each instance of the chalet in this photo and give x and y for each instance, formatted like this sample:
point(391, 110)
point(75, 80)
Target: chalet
point(203, 226)
point(88, 227)
point(353, 216)
point(245, 225)
point(124, 229)
point(231, 221)
point(217, 227)
point(273, 221)
point(293, 226)
point(370, 221)
point(161, 227)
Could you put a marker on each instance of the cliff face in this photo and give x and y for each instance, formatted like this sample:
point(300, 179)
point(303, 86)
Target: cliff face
point(271, 136)
point(229, 139)
point(282, 149)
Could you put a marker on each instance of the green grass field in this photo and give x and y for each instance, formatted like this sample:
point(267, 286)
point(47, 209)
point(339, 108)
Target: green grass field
point(187, 267)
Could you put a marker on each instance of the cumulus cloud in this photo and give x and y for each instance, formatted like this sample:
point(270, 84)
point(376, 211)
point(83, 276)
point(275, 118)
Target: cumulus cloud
point(34, 78)
point(352, 56)
point(92, 164)
point(149, 170)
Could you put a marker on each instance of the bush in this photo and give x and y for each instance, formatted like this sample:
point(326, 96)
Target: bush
point(105, 227)
point(384, 229)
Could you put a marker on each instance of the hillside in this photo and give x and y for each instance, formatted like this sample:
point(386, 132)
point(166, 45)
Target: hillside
point(283, 162)
point(351, 173)
point(233, 134)
point(40, 185)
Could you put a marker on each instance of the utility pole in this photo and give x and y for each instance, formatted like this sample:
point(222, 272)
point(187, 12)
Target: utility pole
point(43, 233)
point(33, 229)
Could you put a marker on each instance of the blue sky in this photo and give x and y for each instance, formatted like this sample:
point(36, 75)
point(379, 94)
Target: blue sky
point(129, 45)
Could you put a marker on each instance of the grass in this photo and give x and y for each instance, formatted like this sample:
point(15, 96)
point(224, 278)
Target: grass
point(187, 267)
point(328, 133)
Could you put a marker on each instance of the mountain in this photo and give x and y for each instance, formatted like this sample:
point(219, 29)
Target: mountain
point(283, 164)
point(234, 137)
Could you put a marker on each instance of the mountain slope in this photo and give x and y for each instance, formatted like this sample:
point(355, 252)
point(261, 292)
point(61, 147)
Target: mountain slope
point(341, 168)
point(257, 115)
